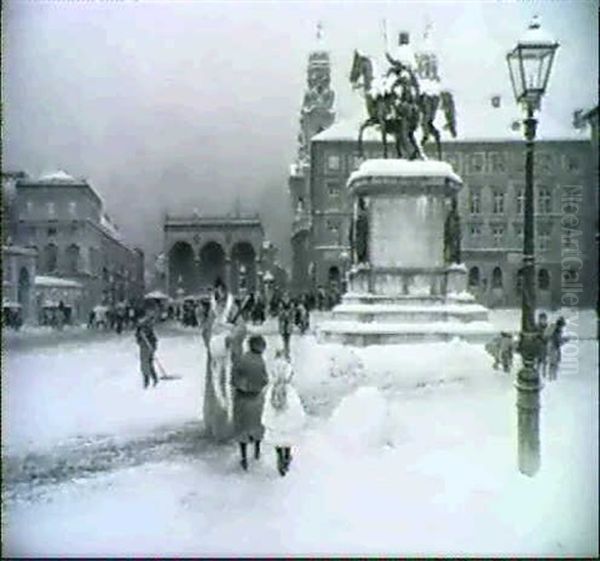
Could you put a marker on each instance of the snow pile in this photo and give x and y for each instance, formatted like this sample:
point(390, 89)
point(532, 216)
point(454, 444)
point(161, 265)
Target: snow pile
point(359, 422)
point(320, 363)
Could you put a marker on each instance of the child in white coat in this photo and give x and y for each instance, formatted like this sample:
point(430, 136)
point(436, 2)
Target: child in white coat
point(283, 415)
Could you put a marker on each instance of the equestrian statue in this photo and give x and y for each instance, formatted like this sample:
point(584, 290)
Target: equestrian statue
point(400, 102)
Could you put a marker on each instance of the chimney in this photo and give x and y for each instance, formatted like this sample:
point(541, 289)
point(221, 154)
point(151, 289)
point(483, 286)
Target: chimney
point(403, 38)
point(496, 101)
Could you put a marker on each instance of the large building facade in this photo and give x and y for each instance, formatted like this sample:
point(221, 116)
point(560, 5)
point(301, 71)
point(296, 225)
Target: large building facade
point(62, 220)
point(489, 155)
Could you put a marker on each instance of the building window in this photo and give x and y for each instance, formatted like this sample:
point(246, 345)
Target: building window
point(51, 209)
point(497, 277)
point(476, 163)
point(333, 163)
point(52, 231)
point(519, 233)
point(543, 239)
point(475, 231)
point(543, 279)
point(333, 188)
point(334, 228)
point(498, 207)
point(73, 208)
point(544, 201)
point(474, 276)
point(571, 163)
point(544, 162)
point(50, 260)
point(475, 202)
point(519, 281)
point(497, 162)
point(520, 200)
point(498, 235)
point(73, 259)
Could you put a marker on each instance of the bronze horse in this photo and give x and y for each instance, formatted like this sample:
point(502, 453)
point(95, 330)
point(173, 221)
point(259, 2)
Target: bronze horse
point(378, 108)
point(429, 105)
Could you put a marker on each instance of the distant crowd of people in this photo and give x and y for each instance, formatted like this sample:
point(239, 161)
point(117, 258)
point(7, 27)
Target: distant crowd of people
point(116, 318)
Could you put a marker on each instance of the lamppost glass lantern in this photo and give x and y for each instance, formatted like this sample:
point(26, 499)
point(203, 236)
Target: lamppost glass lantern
point(529, 64)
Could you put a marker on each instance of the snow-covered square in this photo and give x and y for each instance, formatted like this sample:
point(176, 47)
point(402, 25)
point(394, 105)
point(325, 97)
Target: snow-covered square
point(409, 450)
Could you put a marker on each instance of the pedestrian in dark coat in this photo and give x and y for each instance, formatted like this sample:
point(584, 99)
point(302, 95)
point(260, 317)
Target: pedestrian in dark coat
point(249, 379)
point(542, 335)
point(286, 325)
point(555, 341)
point(146, 339)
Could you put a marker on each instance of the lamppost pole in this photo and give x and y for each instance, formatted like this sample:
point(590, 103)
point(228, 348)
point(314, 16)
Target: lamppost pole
point(528, 381)
point(529, 65)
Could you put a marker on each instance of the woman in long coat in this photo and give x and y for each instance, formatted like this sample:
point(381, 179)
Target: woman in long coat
point(216, 333)
point(249, 378)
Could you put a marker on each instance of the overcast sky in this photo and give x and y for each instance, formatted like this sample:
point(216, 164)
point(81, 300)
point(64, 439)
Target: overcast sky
point(182, 105)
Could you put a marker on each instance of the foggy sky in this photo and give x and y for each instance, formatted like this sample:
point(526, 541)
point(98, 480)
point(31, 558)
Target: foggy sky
point(193, 104)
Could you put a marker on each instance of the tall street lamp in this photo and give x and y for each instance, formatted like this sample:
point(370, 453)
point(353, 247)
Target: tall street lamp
point(529, 64)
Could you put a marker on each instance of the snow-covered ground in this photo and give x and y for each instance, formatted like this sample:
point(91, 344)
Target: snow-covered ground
point(409, 450)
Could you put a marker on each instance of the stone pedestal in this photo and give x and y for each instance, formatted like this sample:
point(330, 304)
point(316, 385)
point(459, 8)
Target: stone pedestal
point(405, 292)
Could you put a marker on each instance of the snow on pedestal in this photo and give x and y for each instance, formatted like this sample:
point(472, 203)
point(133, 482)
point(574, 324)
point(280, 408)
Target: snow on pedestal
point(406, 292)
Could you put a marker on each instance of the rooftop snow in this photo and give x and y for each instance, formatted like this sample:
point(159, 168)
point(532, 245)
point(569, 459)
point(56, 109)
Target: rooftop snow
point(59, 175)
point(476, 121)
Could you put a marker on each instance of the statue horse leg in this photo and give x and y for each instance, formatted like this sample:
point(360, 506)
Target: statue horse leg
point(398, 136)
point(438, 144)
point(360, 137)
point(384, 139)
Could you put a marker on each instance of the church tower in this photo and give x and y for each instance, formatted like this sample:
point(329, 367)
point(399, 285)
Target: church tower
point(316, 114)
point(317, 111)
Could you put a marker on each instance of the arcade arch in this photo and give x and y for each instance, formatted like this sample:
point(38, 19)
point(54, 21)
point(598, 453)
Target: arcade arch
point(243, 267)
point(212, 265)
point(182, 268)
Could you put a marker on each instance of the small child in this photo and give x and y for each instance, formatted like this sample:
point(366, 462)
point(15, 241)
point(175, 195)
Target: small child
point(283, 415)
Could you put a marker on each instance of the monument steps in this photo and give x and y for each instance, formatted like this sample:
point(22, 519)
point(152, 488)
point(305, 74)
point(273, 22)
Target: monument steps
point(398, 313)
point(380, 333)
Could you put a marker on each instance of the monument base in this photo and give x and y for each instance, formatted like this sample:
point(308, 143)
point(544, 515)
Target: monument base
point(405, 294)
